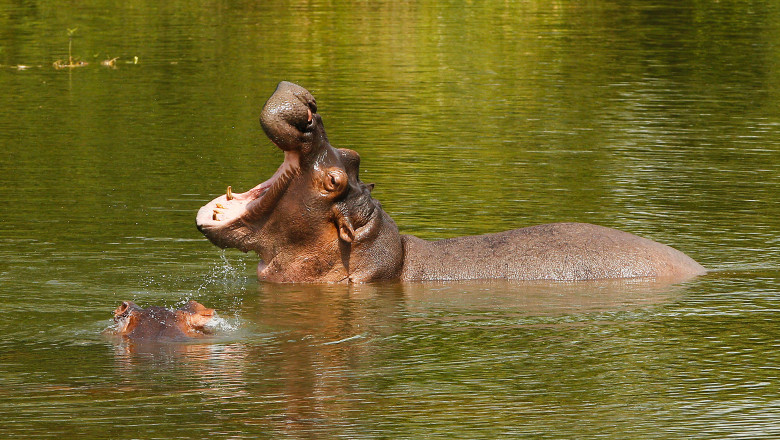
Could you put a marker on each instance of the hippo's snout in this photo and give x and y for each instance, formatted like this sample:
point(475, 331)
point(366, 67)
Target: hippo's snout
point(289, 117)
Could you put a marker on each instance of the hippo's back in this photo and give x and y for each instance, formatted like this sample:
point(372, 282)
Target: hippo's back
point(557, 251)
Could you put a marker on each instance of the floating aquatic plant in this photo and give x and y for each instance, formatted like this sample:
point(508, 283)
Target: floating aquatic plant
point(59, 64)
point(110, 63)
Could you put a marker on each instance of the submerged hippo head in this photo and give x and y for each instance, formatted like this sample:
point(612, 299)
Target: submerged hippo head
point(313, 220)
point(156, 323)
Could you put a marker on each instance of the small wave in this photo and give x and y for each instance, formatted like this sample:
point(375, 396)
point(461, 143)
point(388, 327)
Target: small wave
point(348, 339)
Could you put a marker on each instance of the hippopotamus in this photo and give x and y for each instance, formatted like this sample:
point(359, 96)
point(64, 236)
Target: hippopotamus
point(161, 324)
point(315, 221)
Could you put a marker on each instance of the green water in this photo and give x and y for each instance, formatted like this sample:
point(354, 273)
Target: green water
point(661, 118)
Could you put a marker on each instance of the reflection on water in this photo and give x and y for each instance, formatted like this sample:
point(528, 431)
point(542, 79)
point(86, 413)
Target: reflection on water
point(410, 360)
point(657, 117)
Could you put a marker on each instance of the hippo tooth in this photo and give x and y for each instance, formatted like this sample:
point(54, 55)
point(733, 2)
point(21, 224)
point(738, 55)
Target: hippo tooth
point(219, 205)
point(229, 194)
point(309, 110)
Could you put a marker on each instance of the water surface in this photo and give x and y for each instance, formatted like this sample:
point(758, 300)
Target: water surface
point(660, 118)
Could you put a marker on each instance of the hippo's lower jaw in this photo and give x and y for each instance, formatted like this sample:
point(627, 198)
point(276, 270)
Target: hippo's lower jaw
point(228, 220)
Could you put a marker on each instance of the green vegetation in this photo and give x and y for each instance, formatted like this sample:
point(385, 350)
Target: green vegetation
point(59, 64)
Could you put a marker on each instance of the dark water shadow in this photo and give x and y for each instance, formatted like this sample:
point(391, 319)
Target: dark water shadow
point(314, 306)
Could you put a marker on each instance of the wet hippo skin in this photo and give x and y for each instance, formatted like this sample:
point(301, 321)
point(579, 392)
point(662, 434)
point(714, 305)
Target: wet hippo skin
point(314, 220)
point(158, 323)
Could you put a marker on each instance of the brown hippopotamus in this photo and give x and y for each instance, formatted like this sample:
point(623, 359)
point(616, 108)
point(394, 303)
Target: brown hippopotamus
point(161, 324)
point(314, 220)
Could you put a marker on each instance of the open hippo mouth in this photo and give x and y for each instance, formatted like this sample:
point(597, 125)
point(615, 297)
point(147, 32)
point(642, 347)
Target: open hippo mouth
point(290, 120)
point(232, 211)
point(250, 205)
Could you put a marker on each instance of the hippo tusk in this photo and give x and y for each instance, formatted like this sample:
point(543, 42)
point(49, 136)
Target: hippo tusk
point(219, 206)
point(229, 194)
point(310, 116)
point(216, 215)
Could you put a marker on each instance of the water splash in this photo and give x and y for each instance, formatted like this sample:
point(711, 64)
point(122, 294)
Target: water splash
point(221, 326)
point(227, 279)
point(224, 274)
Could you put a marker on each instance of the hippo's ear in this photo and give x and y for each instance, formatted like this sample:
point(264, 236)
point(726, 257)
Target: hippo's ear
point(334, 182)
point(346, 231)
point(124, 309)
point(344, 224)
